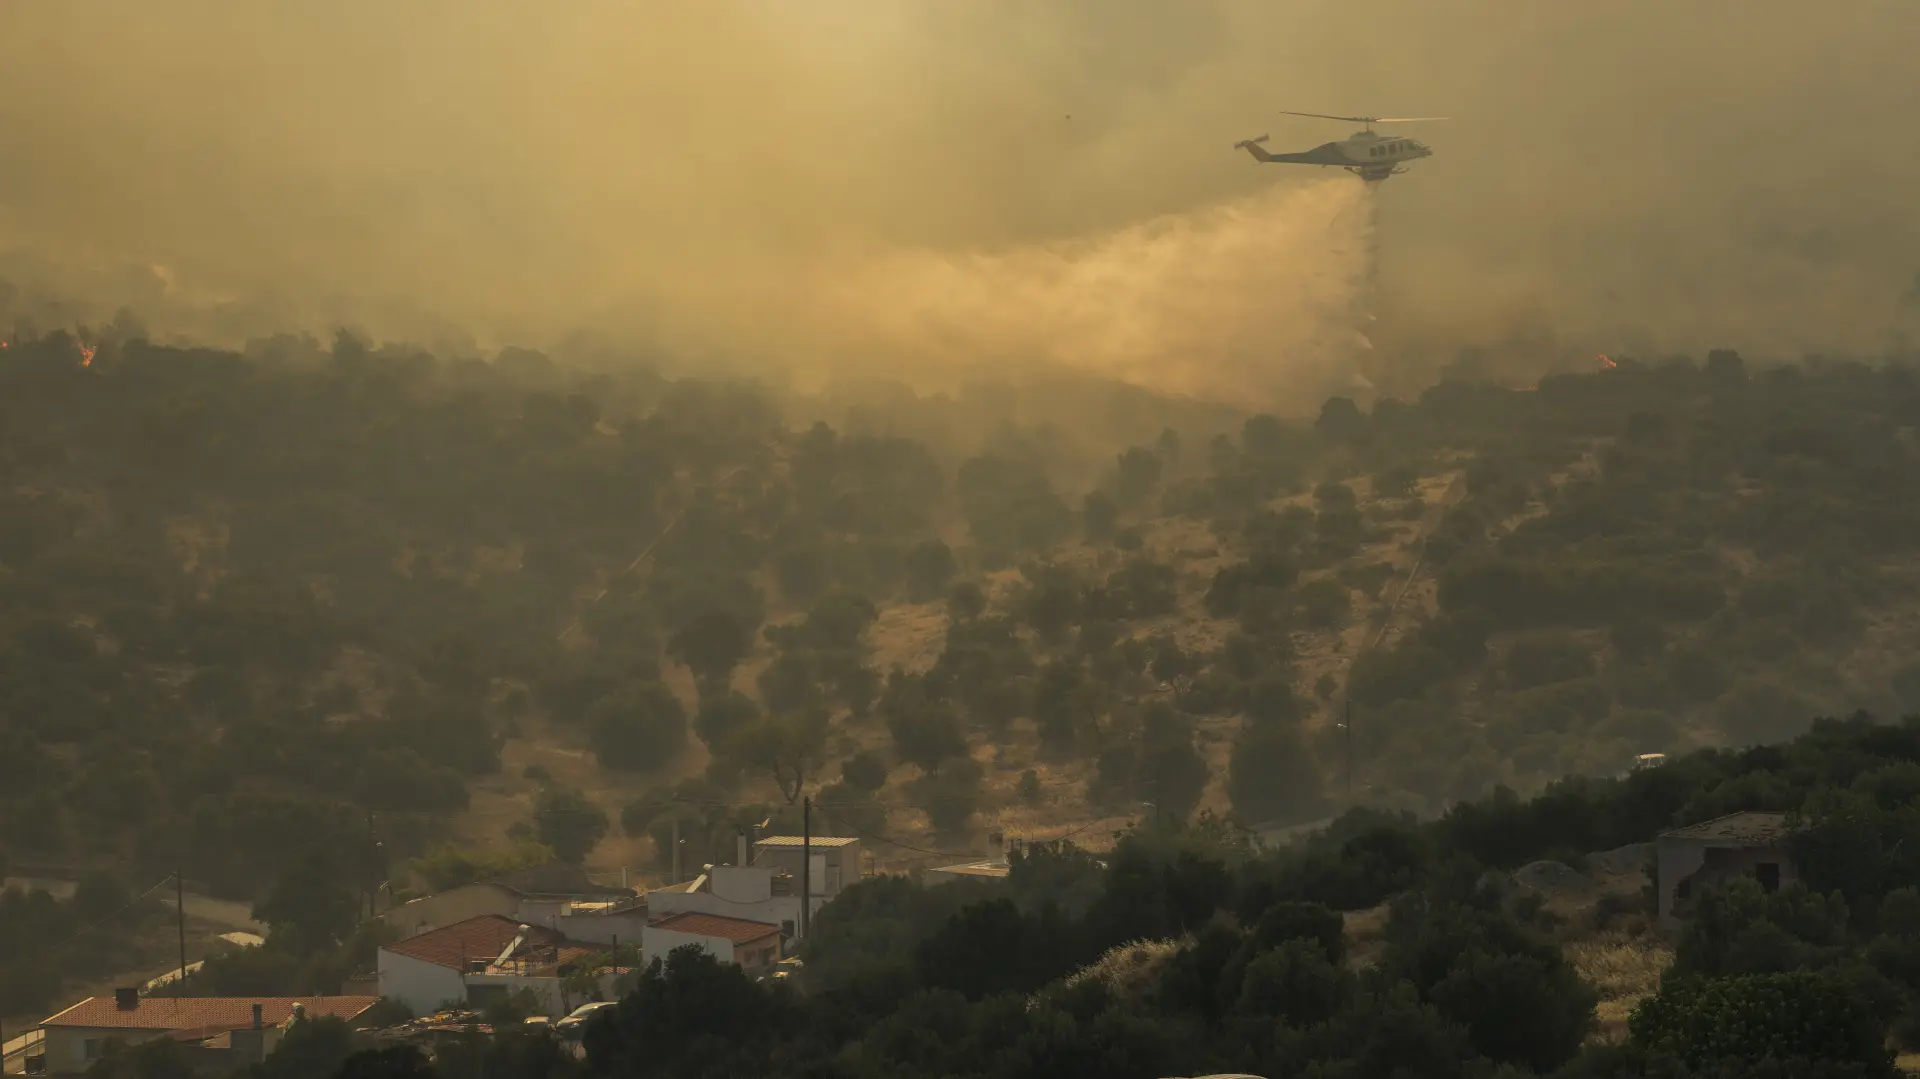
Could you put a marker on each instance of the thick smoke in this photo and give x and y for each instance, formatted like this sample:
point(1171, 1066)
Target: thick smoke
point(968, 181)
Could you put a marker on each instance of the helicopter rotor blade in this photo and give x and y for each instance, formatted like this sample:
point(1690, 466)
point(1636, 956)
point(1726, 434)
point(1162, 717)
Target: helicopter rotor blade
point(1366, 119)
point(1324, 116)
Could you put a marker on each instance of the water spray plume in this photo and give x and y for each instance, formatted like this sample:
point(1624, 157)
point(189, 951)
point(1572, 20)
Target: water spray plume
point(1254, 301)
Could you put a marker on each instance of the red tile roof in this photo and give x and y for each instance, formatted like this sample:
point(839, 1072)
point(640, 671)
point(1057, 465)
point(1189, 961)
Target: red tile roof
point(483, 936)
point(211, 1014)
point(737, 930)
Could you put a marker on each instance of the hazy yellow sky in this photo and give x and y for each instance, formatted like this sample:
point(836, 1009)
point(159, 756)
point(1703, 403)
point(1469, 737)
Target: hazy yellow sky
point(721, 173)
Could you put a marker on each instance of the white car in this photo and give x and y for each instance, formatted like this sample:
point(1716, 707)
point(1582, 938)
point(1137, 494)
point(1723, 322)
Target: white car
point(575, 1023)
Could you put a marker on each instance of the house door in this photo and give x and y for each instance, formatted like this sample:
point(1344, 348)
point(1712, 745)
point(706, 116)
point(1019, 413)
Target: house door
point(1768, 874)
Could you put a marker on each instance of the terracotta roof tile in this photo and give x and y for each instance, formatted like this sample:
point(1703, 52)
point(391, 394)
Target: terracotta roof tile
point(483, 936)
point(737, 930)
point(210, 1014)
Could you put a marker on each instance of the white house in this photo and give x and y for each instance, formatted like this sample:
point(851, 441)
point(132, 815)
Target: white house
point(76, 1037)
point(754, 893)
point(474, 962)
point(836, 860)
point(752, 946)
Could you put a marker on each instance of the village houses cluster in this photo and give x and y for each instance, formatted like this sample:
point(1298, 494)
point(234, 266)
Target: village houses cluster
point(546, 936)
point(551, 936)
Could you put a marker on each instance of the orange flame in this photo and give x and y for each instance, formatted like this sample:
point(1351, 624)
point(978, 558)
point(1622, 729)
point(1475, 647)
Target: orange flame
point(1607, 364)
point(86, 355)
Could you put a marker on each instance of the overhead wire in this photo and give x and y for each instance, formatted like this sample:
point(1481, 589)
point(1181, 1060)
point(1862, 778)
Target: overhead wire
point(136, 901)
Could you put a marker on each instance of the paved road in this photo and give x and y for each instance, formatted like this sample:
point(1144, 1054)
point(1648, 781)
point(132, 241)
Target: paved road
point(225, 913)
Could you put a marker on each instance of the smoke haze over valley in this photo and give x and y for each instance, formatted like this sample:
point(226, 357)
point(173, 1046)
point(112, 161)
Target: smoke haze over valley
point(817, 187)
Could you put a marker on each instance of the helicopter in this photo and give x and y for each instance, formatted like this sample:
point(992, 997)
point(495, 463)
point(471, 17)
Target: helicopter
point(1366, 153)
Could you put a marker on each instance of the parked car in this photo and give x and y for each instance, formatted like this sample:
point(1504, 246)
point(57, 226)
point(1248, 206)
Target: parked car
point(575, 1024)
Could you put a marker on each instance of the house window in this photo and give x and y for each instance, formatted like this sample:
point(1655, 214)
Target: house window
point(1684, 889)
point(1768, 874)
point(91, 1048)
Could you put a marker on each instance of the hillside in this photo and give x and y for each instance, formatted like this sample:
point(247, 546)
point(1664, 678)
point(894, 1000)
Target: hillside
point(261, 595)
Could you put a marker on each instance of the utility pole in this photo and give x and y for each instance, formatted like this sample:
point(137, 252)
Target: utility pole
point(1349, 726)
point(676, 844)
point(180, 917)
point(373, 866)
point(806, 866)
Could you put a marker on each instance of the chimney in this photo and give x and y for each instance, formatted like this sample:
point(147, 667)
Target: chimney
point(740, 847)
point(258, 1019)
point(126, 1000)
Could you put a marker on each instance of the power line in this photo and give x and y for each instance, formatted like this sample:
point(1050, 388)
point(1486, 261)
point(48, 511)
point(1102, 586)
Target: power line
point(136, 901)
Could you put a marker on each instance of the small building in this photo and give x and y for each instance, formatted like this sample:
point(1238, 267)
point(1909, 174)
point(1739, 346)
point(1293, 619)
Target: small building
point(836, 860)
point(989, 869)
point(1747, 844)
point(537, 894)
point(482, 959)
point(234, 1031)
point(752, 946)
point(754, 893)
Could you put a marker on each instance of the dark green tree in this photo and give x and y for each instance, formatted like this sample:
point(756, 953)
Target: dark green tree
point(313, 905)
point(643, 726)
point(864, 771)
point(1273, 777)
point(930, 567)
point(565, 820)
point(710, 646)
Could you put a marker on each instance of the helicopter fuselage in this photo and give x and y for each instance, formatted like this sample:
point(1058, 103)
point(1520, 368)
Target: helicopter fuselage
point(1371, 156)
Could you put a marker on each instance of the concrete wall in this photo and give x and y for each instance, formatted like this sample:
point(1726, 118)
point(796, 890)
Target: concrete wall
point(420, 985)
point(773, 910)
point(67, 1047)
point(551, 991)
point(540, 911)
point(600, 928)
point(450, 906)
point(741, 884)
point(834, 868)
point(1702, 863)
